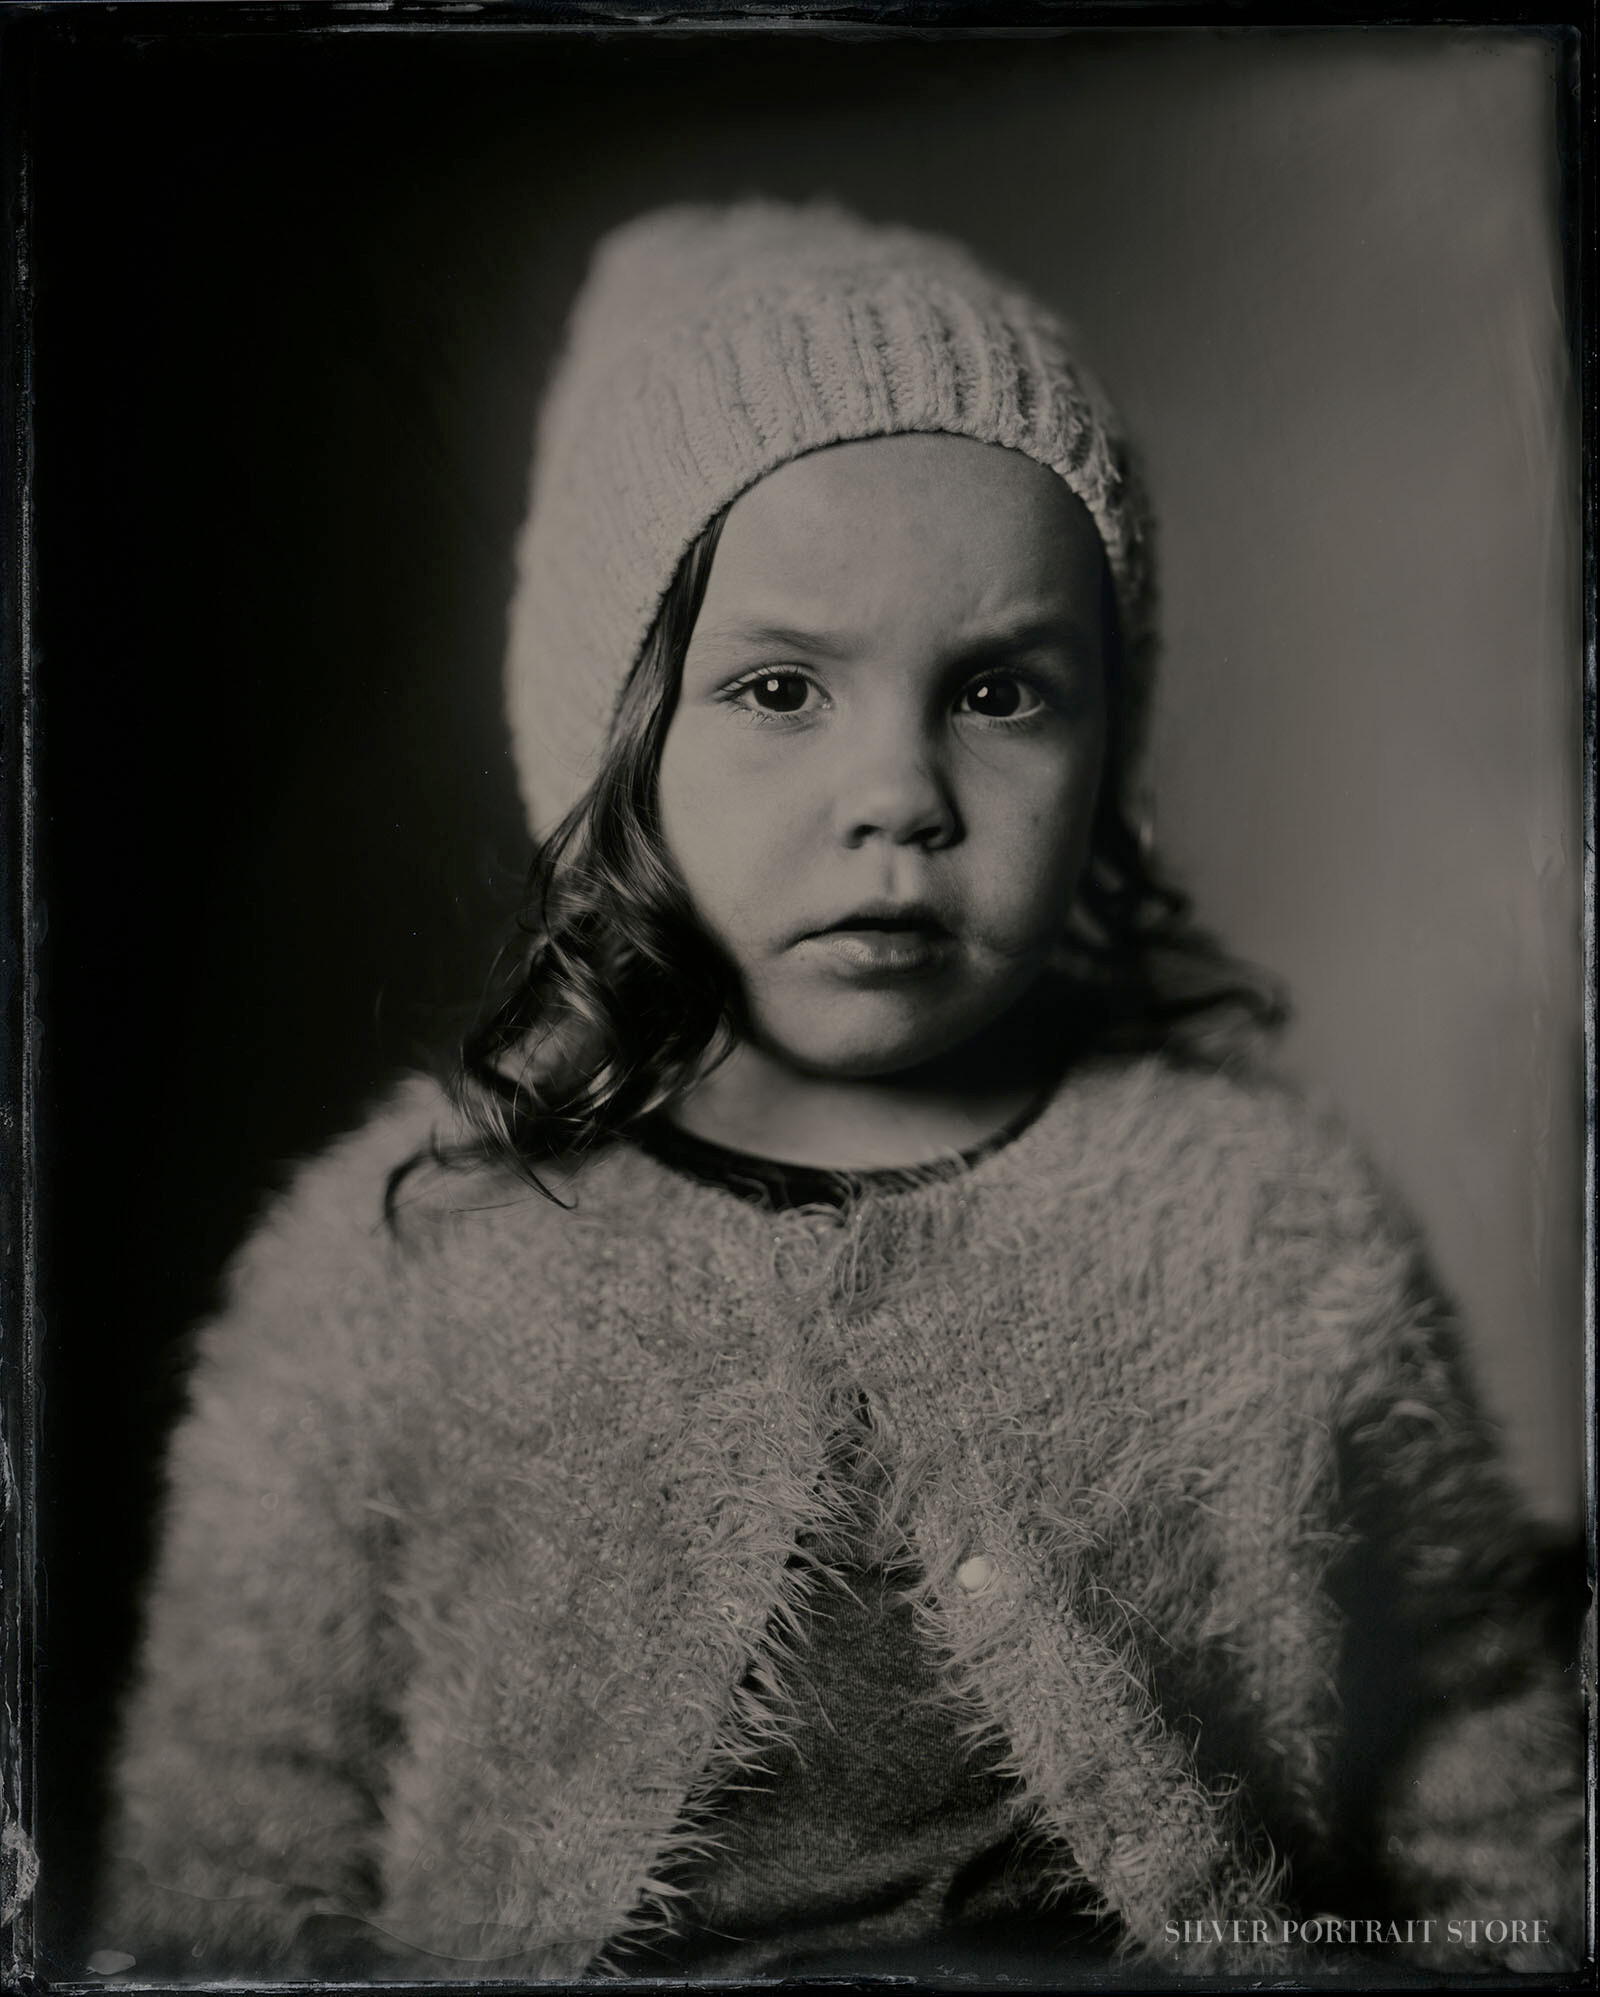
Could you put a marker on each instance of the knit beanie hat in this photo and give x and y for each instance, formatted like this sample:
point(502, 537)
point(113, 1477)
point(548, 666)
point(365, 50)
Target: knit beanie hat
point(711, 345)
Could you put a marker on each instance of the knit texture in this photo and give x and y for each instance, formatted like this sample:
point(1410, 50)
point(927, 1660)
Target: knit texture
point(708, 347)
point(479, 1534)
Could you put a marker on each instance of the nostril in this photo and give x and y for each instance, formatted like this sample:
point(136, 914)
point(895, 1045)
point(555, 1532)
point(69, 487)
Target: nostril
point(931, 838)
point(916, 810)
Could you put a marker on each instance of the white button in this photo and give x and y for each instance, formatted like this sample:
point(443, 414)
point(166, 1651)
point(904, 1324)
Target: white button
point(976, 1574)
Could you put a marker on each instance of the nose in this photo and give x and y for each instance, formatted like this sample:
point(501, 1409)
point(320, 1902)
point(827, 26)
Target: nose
point(892, 786)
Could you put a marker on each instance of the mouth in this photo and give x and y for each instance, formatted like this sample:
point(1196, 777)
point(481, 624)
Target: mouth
point(885, 939)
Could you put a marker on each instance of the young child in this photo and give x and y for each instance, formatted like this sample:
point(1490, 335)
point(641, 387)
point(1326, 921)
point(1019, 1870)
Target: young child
point(853, 1443)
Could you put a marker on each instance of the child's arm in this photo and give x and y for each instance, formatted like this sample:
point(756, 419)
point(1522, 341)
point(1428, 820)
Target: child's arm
point(1464, 1715)
point(246, 1783)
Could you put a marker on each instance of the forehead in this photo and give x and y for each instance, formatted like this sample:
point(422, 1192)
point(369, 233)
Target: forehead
point(964, 528)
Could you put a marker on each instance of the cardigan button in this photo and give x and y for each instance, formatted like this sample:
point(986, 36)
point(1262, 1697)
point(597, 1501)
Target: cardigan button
point(977, 1573)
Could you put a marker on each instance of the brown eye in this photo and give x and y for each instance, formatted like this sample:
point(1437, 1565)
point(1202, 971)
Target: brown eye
point(997, 697)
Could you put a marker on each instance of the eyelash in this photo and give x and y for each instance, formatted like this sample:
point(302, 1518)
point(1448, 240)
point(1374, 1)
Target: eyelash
point(763, 717)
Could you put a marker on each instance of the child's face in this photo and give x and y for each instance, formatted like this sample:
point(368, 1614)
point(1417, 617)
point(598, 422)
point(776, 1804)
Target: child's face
point(878, 781)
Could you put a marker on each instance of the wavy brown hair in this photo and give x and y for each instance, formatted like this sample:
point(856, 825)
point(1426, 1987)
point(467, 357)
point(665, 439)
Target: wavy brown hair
point(609, 997)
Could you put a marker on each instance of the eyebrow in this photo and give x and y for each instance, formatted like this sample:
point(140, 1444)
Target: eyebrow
point(1023, 634)
point(1026, 634)
point(778, 637)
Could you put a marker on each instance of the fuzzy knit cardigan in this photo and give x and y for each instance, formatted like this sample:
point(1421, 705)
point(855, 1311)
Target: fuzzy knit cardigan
point(476, 1525)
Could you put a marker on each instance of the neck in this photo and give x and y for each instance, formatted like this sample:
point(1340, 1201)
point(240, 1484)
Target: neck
point(752, 1101)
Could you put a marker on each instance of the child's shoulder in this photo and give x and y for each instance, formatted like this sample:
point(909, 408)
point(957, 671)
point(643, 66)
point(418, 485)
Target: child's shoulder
point(1162, 1133)
point(1166, 1107)
point(1237, 1209)
point(308, 1300)
point(406, 1201)
point(320, 1243)
point(331, 1205)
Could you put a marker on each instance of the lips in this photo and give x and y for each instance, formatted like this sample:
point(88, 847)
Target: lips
point(885, 940)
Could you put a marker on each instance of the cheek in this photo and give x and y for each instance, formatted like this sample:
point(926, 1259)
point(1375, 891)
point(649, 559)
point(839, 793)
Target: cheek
point(726, 830)
point(1033, 838)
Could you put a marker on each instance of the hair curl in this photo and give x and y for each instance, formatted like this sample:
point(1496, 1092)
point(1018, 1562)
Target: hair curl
point(608, 997)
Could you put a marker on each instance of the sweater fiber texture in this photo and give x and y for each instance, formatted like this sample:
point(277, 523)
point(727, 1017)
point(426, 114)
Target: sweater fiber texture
point(711, 345)
point(868, 1821)
point(481, 1528)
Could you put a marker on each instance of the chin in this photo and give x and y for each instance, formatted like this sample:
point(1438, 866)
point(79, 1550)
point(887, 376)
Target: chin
point(852, 1064)
point(862, 1047)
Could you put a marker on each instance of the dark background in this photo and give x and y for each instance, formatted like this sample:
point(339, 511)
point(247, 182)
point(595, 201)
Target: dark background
point(294, 296)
